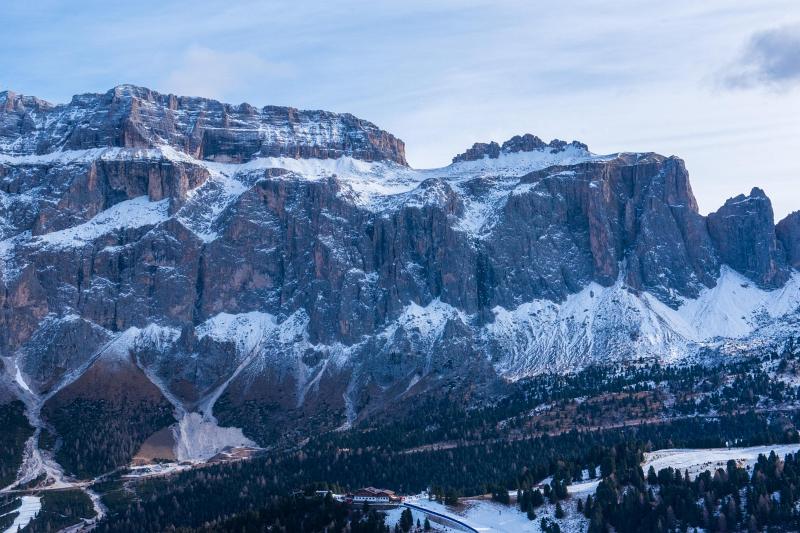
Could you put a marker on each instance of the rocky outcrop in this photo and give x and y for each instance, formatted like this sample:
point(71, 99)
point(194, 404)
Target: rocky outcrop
point(788, 233)
point(136, 117)
point(307, 294)
point(743, 231)
point(518, 143)
point(591, 222)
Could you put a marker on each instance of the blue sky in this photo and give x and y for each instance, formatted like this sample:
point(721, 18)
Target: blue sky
point(714, 82)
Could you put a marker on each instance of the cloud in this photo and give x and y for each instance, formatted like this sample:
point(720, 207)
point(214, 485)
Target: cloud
point(210, 73)
point(771, 58)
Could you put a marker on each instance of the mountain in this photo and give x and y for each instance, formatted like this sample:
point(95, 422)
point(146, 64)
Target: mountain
point(247, 276)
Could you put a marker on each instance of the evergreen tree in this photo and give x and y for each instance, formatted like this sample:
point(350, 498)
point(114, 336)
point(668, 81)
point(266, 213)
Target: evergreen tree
point(406, 520)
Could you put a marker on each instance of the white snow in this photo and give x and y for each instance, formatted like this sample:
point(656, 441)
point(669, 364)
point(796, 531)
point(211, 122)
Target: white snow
point(245, 329)
point(429, 321)
point(699, 460)
point(20, 379)
point(598, 321)
point(520, 163)
point(67, 157)
point(133, 213)
point(393, 517)
point(8, 268)
point(583, 489)
point(100, 509)
point(488, 516)
point(485, 515)
point(732, 309)
point(385, 185)
point(155, 336)
point(373, 185)
point(28, 509)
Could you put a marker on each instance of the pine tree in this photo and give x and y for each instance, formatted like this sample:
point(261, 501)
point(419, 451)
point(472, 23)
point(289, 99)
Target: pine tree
point(651, 475)
point(406, 520)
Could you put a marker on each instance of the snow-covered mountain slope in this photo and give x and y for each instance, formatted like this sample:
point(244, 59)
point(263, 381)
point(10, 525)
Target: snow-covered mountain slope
point(614, 324)
point(288, 266)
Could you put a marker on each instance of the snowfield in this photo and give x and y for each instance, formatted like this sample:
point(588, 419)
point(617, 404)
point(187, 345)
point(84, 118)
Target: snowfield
point(488, 516)
point(28, 508)
point(598, 321)
point(697, 461)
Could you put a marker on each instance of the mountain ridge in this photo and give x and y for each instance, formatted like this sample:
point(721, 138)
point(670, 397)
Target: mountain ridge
point(132, 116)
point(300, 287)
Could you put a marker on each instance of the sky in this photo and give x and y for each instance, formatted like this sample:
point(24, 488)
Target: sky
point(716, 82)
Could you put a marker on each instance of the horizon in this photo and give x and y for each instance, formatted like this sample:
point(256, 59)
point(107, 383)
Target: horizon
point(717, 86)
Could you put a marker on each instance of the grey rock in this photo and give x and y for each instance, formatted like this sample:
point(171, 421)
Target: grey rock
point(136, 117)
point(788, 233)
point(518, 143)
point(303, 294)
point(743, 231)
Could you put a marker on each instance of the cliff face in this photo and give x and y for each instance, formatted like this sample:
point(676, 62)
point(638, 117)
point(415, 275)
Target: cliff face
point(788, 233)
point(136, 117)
point(744, 233)
point(287, 262)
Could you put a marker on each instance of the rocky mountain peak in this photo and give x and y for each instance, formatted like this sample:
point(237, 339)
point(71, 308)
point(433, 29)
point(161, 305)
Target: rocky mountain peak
point(10, 101)
point(743, 231)
point(788, 233)
point(233, 253)
point(518, 143)
point(136, 117)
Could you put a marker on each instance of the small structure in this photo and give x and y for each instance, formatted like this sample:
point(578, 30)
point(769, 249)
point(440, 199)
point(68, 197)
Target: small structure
point(373, 495)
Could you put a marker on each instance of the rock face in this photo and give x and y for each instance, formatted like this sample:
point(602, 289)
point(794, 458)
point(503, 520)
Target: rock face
point(744, 233)
point(135, 117)
point(518, 143)
point(286, 270)
point(788, 233)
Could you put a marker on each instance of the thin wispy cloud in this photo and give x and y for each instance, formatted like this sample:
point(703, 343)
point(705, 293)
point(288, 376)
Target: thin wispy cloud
point(202, 71)
point(771, 58)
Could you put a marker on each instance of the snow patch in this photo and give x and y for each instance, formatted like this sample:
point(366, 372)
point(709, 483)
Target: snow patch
point(521, 163)
point(598, 321)
point(699, 460)
point(20, 379)
point(134, 213)
point(488, 516)
point(28, 508)
point(245, 329)
point(429, 321)
point(67, 157)
point(731, 309)
point(9, 267)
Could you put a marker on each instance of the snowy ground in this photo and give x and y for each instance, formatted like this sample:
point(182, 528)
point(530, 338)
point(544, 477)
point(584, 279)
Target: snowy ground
point(699, 460)
point(488, 516)
point(28, 509)
point(393, 517)
point(156, 470)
